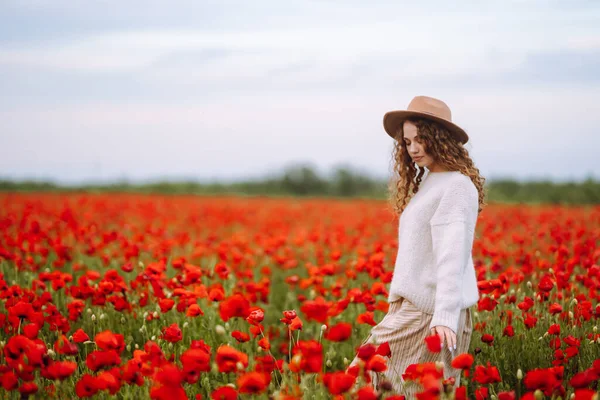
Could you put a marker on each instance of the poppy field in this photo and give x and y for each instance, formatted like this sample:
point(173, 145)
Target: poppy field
point(186, 297)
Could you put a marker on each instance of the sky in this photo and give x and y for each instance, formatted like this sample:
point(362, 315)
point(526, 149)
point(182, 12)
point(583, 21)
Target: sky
point(230, 90)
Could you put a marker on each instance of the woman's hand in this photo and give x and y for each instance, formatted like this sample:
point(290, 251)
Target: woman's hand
point(446, 334)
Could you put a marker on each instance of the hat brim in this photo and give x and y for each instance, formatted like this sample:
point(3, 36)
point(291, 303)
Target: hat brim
point(393, 119)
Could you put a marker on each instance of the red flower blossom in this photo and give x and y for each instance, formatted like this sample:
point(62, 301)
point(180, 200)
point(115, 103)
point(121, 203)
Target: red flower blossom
point(555, 308)
point(193, 362)
point(487, 338)
point(317, 310)
point(101, 359)
point(485, 375)
point(224, 393)
point(166, 304)
point(253, 382)
point(264, 343)
point(338, 382)
point(462, 361)
point(384, 349)
point(194, 310)
point(339, 332)
point(172, 333)
point(228, 358)
point(59, 370)
point(255, 317)
point(79, 336)
point(509, 331)
point(507, 395)
point(235, 306)
point(87, 386)
point(240, 336)
point(107, 340)
point(434, 343)
point(554, 329)
point(548, 380)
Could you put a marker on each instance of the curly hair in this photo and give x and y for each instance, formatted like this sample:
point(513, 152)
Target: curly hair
point(445, 150)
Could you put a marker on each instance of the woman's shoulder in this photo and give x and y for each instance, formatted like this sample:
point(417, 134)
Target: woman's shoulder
point(458, 182)
point(460, 189)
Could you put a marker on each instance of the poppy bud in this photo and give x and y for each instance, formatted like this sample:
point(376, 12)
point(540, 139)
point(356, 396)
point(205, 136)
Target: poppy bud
point(386, 386)
point(477, 350)
point(519, 374)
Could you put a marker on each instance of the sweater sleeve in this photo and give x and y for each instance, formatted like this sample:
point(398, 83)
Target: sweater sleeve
point(452, 232)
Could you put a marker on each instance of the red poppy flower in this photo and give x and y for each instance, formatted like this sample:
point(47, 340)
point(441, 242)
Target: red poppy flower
point(193, 362)
point(101, 359)
point(107, 340)
point(28, 388)
point(554, 329)
point(434, 343)
point(241, 337)
point(366, 318)
point(507, 395)
point(224, 393)
point(339, 332)
point(366, 393)
point(87, 386)
point(384, 349)
point(487, 304)
point(482, 393)
point(485, 375)
point(462, 361)
point(194, 310)
point(227, 359)
point(376, 363)
point(255, 317)
point(548, 380)
point(253, 382)
point(487, 338)
point(172, 333)
point(555, 308)
point(79, 336)
point(264, 343)
point(63, 346)
point(166, 304)
point(316, 310)
point(295, 324)
point(59, 370)
point(366, 351)
point(546, 284)
point(338, 382)
point(509, 331)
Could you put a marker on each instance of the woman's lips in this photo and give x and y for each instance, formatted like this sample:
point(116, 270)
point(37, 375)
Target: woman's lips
point(417, 158)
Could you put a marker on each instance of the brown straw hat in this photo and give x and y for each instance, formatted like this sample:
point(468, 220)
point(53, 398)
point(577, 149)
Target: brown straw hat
point(426, 107)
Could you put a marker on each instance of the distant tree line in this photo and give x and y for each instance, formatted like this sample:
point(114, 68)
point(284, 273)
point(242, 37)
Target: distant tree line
point(304, 180)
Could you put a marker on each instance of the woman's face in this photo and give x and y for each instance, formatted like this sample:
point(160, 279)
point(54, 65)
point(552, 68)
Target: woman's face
point(415, 149)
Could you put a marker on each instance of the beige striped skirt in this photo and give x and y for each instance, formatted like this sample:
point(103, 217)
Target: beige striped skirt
point(405, 328)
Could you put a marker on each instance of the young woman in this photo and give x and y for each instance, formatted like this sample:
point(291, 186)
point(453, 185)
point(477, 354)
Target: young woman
point(434, 284)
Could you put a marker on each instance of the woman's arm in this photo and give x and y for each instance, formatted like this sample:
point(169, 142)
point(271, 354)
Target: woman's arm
point(452, 233)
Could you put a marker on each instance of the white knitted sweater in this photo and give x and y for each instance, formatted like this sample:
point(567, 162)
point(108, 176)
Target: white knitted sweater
point(434, 266)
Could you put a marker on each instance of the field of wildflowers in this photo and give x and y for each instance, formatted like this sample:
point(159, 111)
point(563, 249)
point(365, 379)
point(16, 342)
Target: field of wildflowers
point(175, 297)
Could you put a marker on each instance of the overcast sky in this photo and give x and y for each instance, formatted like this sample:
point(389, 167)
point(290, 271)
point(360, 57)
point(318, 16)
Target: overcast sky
point(102, 90)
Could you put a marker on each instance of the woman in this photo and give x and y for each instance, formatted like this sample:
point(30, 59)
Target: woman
point(434, 285)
